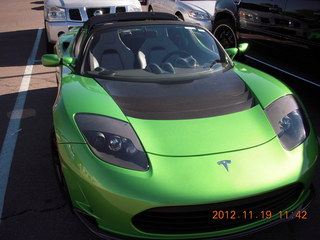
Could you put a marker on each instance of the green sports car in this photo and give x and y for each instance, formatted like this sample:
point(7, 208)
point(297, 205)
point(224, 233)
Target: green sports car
point(160, 135)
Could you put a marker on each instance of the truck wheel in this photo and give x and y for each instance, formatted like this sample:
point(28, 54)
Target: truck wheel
point(225, 33)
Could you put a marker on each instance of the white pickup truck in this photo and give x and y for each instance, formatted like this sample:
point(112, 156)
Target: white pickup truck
point(61, 15)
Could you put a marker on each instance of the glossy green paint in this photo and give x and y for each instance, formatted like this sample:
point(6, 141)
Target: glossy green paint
point(53, 60)
point(265, 87)
point(205, 135)
point(109, 192)
point(232, 52)
point(69, 62)
point(50, 60)
point(243, 47)
point(80, 95)
point(183, 157)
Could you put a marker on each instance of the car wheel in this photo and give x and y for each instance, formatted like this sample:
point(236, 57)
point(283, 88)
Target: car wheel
point(225, 33)
point(57, 167)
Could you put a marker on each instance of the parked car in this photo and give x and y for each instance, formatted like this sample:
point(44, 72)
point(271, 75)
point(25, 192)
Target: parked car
point(60, 16)
point(158, 134)
point(292, 21)
point(213, 15)
point(199, 12)
point(282, 33)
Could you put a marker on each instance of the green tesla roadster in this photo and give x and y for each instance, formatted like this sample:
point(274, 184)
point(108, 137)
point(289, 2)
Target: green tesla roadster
point(159, 134)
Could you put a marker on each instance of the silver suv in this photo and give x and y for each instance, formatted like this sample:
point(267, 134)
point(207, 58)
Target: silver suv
point(61, 15)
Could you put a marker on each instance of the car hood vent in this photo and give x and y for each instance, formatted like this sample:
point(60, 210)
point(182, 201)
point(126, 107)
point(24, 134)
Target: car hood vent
point(220, 94)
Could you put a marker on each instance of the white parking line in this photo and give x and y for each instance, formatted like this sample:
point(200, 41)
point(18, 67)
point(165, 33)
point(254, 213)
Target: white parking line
point(281, 70)
point(9, 143)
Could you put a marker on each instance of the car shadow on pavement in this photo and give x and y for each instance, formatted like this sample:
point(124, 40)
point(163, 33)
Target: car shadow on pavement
point(39, 8)
point(34, 206)
point(16, 46)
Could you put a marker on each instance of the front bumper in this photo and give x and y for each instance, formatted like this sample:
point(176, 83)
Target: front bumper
point(110, 197)
point(90, 223)
point(55, 29)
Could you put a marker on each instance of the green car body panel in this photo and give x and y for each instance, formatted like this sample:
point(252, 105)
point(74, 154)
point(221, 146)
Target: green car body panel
point(183, 156)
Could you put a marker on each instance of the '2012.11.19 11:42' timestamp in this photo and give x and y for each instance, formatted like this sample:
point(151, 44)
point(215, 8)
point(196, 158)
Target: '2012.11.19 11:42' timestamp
point(267, 214)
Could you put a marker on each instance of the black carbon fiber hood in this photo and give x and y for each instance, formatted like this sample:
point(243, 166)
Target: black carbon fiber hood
point(219, 94)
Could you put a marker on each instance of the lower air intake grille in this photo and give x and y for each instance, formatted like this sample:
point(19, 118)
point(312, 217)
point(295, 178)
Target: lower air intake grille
point(120, 9)
point(74, 14)
point(99, 11)
point(199, 218)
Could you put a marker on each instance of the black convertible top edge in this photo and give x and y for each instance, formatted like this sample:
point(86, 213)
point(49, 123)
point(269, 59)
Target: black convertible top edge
point(128, 16)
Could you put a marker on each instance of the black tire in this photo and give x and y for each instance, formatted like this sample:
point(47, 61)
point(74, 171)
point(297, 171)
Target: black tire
point(58, 170)
point(224, 31)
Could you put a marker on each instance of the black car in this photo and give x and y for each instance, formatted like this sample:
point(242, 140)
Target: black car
point(284, 33)
point(292, 21)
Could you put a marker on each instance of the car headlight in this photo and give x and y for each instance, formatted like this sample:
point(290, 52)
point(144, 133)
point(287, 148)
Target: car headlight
point(198, 14)
point(113, 141)
point(288, 121)
point(134, 6)
point(55, 13)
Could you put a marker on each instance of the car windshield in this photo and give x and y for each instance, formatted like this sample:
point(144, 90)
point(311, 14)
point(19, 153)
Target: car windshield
point(155, 53)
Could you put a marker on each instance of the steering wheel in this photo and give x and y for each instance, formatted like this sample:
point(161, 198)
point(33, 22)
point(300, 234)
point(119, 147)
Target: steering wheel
point(178, 53)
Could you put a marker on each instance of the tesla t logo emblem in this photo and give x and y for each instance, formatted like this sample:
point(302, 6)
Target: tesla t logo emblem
point(98, 12)
point(225, 164)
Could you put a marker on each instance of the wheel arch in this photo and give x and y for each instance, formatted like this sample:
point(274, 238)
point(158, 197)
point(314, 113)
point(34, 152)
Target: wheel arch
point(179, 14)
point(226, 10)
point(225, 15)
point(226, 19)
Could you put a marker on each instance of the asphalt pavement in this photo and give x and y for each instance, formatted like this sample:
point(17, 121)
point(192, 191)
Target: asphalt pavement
point(34, 207)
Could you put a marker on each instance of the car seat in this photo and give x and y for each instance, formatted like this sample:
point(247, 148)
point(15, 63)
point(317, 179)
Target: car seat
point(155, 48)
point(111, 53)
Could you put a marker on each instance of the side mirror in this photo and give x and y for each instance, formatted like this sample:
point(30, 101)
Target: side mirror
point(50, 60)
point(232, 52)
point(53, 60)
point(241, 49)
